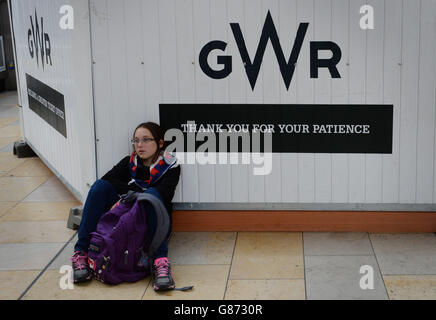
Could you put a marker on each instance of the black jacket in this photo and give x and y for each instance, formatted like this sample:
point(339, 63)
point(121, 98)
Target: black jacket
point(119, 177)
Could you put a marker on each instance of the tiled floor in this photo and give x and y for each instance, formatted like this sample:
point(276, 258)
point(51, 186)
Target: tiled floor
point(35, 244)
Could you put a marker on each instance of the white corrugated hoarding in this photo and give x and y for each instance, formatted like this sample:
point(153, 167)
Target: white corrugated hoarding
point(146, 52)
point(54, 74)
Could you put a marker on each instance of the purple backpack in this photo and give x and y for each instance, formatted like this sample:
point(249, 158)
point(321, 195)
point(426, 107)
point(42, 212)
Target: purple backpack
point(120, 249)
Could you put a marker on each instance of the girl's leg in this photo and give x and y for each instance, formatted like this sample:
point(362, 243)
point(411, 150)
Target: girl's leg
point(101, 197)
point(162, 276)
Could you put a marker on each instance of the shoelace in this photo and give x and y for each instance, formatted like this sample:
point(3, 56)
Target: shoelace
point(162, 268)
point(79, 262)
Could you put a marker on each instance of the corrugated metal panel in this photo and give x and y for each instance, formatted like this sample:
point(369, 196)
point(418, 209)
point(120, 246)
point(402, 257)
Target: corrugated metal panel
point(73, 158)
point(391, 94)
point(146, 53)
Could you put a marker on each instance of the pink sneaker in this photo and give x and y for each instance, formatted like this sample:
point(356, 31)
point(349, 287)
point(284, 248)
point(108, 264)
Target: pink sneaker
point(81, 270)
point(162, 276)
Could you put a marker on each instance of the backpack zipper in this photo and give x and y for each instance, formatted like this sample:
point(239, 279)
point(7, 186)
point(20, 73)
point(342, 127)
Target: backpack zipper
point(126, 257)
point(107, 260)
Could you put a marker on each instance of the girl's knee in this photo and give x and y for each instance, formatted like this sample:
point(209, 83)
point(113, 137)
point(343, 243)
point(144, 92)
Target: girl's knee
point(100, 186)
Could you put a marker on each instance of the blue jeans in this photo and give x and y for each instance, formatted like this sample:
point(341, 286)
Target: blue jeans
point(101, 197)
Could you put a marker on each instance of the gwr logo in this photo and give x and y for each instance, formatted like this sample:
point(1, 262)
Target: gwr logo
point(287, 69)
point(39, 42)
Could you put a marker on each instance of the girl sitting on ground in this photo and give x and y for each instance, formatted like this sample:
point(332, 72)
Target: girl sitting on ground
point(131, 173)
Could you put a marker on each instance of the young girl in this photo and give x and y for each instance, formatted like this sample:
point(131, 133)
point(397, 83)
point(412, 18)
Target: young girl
point(131, 173)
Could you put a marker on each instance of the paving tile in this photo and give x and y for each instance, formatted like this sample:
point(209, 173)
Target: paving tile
point(33, 167)
point(336, 243)
point(10, 131)
point(17, 188)
point(63, 259)
point(39, 211)
point(13, 283)
point(410, 253)
point(209, 283)
point(339, 277)
point(268, 255)
point(201, 248)
point(9, 162)
point(280, 289)
point(9, 97)
point(5, 142)
point(34, 231)
point(27, 256)
point(48, 287)
point(8, 121)
point(51, 191)
point(5, 206)
point(15, 123)
point(8, 148)
point(405, 287)
point(9, 111)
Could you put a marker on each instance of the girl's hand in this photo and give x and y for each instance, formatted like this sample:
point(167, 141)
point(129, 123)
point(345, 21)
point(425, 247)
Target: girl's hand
point(116, 204)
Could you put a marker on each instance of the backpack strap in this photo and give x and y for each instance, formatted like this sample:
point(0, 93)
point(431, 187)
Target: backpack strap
point(130, 196)
point(184, 288)
point(162, 220)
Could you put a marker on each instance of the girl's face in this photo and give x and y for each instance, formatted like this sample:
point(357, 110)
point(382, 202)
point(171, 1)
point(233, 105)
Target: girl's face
point(145, 145)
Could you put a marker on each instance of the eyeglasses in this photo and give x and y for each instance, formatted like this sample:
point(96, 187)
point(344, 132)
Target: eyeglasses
point(144, 140)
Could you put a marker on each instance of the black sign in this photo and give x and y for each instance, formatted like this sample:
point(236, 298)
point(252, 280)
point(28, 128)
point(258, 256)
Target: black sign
point(294, 128)
point(47, 103)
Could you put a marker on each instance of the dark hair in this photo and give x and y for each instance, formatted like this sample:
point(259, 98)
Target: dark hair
point(157, 133)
